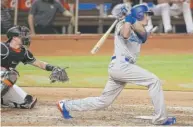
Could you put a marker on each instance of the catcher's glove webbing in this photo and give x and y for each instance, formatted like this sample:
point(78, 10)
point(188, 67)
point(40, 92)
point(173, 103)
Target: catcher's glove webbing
point(58, 74)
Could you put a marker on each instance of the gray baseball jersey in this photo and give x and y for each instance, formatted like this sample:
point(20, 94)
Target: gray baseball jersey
point(122, 70)
point(129, 48)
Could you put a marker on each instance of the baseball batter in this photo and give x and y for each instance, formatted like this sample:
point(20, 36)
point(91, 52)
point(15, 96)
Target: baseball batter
point(123, 69)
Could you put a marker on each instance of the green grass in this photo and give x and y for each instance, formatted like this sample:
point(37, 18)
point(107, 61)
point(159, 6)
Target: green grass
point(91, 71)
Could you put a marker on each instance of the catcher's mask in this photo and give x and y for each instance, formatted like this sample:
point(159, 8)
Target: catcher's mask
point(20, 31)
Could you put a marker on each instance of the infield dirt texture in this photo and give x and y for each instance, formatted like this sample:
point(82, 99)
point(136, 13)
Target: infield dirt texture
point(132, 108)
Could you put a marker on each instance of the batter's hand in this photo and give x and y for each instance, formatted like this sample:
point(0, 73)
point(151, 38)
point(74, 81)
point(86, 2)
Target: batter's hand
point(120, 10)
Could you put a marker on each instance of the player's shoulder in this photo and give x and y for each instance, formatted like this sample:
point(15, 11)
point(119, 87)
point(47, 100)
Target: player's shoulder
point(4, 49)
point(28, 57)
point(28, 54)
point(4, 46)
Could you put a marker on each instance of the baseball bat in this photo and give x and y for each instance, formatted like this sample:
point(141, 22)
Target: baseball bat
point(103, 38)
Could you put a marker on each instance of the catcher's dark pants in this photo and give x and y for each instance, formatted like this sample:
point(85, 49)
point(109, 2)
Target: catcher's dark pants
point(39, 29)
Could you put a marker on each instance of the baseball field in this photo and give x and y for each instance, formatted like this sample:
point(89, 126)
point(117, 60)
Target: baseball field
point(170, 57)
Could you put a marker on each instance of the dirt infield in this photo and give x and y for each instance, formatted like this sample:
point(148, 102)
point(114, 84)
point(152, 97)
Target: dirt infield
point(124, 111)
point(73, 45)
point(129, 106)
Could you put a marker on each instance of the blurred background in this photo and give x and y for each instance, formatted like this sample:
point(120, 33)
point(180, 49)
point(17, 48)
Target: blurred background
point(92, 16)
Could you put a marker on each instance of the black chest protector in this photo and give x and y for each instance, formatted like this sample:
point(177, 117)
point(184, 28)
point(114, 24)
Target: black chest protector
point(11, 58)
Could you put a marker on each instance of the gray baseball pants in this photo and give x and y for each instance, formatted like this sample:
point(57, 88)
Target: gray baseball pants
point(120, 73)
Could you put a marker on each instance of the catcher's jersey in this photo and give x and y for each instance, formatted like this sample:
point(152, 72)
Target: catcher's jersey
point(10, 58)
point(130, 47)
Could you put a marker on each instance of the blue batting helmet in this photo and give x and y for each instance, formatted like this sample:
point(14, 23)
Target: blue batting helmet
point(138, 11)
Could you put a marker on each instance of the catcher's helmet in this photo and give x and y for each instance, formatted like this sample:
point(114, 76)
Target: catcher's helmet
point(20, 31)
point(138, 11)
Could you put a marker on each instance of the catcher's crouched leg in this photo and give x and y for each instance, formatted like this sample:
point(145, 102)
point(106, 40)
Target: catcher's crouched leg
point(18, 98)
point(8, 79)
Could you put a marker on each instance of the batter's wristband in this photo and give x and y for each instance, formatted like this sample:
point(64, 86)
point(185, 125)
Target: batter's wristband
point(130, 19)
point(49, 67)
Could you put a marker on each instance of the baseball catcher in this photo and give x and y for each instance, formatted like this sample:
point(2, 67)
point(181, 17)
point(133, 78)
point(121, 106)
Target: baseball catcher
point(14, 51)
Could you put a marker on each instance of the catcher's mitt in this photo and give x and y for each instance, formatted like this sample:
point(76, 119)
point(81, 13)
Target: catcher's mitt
point(59, 74)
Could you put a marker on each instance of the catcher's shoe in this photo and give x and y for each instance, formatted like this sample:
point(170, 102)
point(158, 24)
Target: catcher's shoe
point(63, 110)
point(30, 102)
point(170, 121)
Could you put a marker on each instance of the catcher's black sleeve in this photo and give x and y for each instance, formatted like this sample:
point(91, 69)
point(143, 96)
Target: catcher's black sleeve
point(28, 58)
point(4, 51)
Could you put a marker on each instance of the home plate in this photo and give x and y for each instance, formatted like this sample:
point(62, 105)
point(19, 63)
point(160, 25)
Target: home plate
point(144, 117)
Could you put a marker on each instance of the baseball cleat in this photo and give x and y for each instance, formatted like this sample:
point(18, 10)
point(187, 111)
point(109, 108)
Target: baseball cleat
point(33, 103)
point(63, 110)
point(170, 121)
point(29, 103)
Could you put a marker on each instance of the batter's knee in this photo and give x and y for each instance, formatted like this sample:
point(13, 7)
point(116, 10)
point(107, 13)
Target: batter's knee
point(155, 80)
